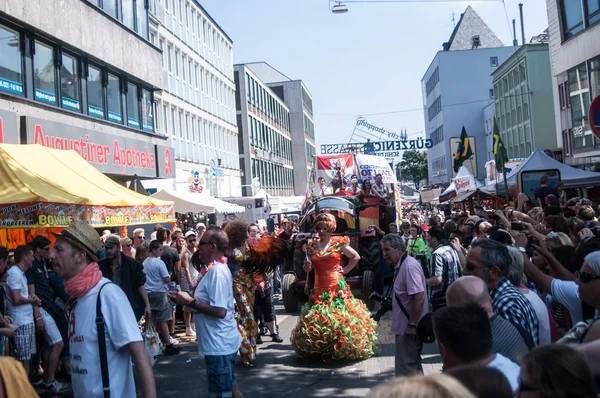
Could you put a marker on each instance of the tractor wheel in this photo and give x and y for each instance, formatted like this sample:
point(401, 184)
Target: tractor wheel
point(289, 292)
point(368, 286)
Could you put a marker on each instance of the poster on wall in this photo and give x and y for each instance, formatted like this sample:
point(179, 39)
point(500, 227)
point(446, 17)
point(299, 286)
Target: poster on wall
point(369, 166)
point(329, 165)
point(530, 180)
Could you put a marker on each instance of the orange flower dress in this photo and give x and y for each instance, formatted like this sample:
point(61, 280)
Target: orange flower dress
point(333, 325)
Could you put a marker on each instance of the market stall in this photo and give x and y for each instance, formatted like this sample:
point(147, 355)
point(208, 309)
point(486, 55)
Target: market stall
point(49, 188)
point(463, 182)
point(196, 203)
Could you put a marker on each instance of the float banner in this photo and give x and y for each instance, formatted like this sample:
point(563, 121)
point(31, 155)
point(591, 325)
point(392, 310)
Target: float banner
point(369, 166)
point(329, 165)
point(462, 184)
point(46, 215)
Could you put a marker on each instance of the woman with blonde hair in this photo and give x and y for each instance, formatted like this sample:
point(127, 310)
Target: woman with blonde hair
point(438, 386)
point(127, 247)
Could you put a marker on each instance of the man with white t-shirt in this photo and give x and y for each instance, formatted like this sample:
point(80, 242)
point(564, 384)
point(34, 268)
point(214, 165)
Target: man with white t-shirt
point(464, 336)
point(74, 259)
point(215, 322)
point(20, 305)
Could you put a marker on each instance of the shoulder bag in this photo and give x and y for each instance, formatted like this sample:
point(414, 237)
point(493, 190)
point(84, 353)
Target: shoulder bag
point(102, 345)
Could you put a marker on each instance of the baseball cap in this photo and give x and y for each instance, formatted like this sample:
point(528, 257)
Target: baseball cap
point(112, 240)
point(82, 235)
point(200, 224)
point(425, 228)
point(190, 233)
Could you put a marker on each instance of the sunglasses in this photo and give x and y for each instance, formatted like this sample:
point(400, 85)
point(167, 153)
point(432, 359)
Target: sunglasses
point(141, 237)
point(191, 240)
point(129, 246)
point(586, 277)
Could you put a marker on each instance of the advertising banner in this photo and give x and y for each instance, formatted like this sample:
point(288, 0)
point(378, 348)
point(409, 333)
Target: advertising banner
point(369, 166)
point(462, 184)
point(329, 165)
point(47, 215)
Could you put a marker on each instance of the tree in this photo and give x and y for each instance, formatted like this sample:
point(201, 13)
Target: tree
point(413, 167)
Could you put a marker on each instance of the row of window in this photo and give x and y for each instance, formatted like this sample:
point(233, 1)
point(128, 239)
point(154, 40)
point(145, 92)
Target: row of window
point(188, 23)
point(309, 127)
point(310, 152)
point(438, 166)
point(583, 84)
point(262, 99)
point(131, 13)
point(273, 176)
point(195, 139)
point(578, 16)
point(267, 139)
point(57, 80)
point(432, 81)
point(307, 101)
point(188, 80)
point(438, 135)
point(511, 81)
point(435, 108)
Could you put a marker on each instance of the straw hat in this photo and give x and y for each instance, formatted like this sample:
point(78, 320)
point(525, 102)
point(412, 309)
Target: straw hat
point(83, 236)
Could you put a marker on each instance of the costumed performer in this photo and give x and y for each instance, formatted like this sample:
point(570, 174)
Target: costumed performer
point(333, 324)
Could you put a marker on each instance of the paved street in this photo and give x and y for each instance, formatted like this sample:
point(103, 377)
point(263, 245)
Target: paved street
point(278, 371)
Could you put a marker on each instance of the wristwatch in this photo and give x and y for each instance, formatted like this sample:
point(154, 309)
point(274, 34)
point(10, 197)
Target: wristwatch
point(412, 325)
point(192, 304)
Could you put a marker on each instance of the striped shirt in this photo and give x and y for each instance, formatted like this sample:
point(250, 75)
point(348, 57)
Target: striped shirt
point(442, 257)
point(507, 340)
point(509, 303)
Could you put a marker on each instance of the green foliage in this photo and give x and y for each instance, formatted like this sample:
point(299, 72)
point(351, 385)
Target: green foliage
point(413, 167)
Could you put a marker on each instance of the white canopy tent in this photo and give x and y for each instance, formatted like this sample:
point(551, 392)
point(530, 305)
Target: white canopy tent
point(193, 203)
point(462, 182)
point(570, 176)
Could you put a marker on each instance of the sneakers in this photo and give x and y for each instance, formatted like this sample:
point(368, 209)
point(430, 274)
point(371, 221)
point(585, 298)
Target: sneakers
point(190, 333)
point(259, 340)
point(276, 339)
point(173, 341)
point(172, 350)
point(55, 386)
point(39, 383)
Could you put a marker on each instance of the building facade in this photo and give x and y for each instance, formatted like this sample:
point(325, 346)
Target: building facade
point(82, 75)
point(574, 29)
point(523, 100)
point(264, 138)
point(196, 109)
point(457, 86)
point(296, 96)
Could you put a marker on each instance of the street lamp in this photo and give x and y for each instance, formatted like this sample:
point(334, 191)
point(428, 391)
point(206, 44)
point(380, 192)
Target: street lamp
point(339, 8)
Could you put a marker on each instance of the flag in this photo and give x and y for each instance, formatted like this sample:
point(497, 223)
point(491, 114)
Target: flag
point(499, 149)
point(464, 151)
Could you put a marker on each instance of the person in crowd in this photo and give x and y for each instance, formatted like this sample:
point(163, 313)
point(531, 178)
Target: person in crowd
point(436, 386)
point(253, 232)
point(20, 306)
point(518, 197)
point(481, 229)
point(444, 260)
point(450, 226)
point(507, 339)
point(468, 230)
point(101, 251)
point(139, 236)
point(172, 258)
point(562, 194)
point(263, 308)
point(353, 327)
point(410, 289)
point(7, 329)
point(157, 276)
point(515, 275)
point(128, 274)
point(127, 247)
point(213, 303)
point(416, 243)
point(542, 191)
point(50, 320)
point(490, 261)
point(368, 188)
point(405, 228)
point(354, 189)
point(74, 259)
point(188, 273)
point(555, 370)
point(10, 261)
point(482, 381)
point(380, 188)
point(464, 336)
point(200, 229)
point(528, 206)
point(142, 253)
point(320, 189)
point(586, 214)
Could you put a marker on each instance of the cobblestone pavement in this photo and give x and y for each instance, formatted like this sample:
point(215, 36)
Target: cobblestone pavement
point(278, 372)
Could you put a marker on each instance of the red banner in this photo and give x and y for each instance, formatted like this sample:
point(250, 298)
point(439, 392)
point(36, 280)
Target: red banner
point(329, 165)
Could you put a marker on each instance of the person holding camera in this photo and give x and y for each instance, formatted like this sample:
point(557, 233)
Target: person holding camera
point(409, 304)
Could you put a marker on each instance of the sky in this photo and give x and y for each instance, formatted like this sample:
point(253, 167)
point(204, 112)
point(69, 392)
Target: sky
point(367, 62)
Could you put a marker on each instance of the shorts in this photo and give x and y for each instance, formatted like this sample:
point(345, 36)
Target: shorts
point(221, 375)
point(51, 332)
point(25, 342)
point(160, 306)
point(263, 307)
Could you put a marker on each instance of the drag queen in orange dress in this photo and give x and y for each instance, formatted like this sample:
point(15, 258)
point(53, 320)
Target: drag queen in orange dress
point(333, 324)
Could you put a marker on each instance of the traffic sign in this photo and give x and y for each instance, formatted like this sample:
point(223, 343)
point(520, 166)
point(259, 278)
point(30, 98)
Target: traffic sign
point(595, 116)
point(549, 152)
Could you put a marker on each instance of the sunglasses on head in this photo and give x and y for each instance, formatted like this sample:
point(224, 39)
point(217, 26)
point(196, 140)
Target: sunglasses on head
point(586, 277)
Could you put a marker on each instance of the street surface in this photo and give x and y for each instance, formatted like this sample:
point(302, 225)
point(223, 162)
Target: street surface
point(278, 372)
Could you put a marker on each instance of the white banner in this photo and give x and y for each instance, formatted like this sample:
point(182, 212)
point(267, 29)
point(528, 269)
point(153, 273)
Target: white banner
point(369, 166)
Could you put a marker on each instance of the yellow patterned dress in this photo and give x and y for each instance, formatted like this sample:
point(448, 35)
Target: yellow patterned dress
point(243, 293)
point(333, 325)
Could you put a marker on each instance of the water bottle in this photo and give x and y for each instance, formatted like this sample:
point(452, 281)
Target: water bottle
point(172, 286)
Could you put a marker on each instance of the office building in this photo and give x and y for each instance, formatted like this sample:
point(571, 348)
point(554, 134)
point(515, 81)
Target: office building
point(574, 29)
point(196, 109)
point(457, 86)
point(299, 101)
point(523, 101)
point(264, 137)
point(82, 75)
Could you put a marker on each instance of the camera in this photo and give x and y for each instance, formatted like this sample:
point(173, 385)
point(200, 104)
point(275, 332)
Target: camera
point(422, 259)
point(386, 305)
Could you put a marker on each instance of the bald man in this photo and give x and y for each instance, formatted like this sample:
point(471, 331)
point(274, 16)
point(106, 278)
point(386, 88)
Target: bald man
point(506, 338)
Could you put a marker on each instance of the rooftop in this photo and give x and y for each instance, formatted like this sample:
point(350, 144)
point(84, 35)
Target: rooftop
point(470, 33)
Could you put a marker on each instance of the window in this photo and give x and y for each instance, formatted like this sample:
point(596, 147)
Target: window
point(11, 74)
point(432, 81)
point(493, 62)
point(110, 7)
point(133, 111)
point(561, 96)
point(95, 92)
point(580, 103)
point(114, 99)
point(147, 111)
point(593, 11)
point(70, 84)
point(572, 17)
point(128, 12)
point(44, 73)
point(435, 108)
point(491, 93)
point(142, 18)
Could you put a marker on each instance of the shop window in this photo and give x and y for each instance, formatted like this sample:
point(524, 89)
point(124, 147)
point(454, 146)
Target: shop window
point(147, 115)
point(133, 111)
point(95, 92)
point(11, 73)
point(44, 73)
point(70, 83)
point(115, 114)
